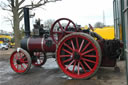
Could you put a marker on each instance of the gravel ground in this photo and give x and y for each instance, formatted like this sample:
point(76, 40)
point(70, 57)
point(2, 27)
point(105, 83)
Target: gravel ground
point(50, 74)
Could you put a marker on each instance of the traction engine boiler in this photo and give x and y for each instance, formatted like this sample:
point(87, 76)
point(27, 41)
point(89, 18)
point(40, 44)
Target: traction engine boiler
point(79, 53)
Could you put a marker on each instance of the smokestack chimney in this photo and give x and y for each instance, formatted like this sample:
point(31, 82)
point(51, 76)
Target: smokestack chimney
point(26, 22)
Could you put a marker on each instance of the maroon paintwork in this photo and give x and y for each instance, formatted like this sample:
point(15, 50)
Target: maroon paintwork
point(35, 44)
point(51, 48)
point(106, 61)
point(39, 44)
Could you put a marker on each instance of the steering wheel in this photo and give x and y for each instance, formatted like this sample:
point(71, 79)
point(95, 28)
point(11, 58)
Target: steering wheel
point(90, 26)
point(61, 27)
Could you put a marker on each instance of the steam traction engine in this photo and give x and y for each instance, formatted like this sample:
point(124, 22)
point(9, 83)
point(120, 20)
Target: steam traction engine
point(79, 53)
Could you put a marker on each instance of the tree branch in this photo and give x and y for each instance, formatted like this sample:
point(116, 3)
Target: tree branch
point(17, 4)
point(3, 8)
point(9, 6)
point(21, 17)
point(21, 2)
point(39, 3)
point(12, 3)
point(9, 20)
point(20, 12)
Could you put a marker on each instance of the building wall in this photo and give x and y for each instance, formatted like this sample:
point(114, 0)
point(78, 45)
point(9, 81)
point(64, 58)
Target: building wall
point(125, 21)
point(120, 8)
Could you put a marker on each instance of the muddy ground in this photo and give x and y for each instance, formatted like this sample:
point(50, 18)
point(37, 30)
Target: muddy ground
point(50, 74)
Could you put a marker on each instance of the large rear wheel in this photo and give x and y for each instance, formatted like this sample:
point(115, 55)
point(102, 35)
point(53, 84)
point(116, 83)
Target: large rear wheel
point(78, 55)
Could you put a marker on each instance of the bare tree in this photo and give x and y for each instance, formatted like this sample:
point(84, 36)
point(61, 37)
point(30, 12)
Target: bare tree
point(16, 8)
point(48, 23)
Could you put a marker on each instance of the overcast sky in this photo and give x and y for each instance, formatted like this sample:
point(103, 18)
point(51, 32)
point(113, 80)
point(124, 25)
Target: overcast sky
point(81, 12)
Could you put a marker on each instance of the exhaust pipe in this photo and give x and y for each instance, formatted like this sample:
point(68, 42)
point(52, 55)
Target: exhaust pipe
point(26, 22)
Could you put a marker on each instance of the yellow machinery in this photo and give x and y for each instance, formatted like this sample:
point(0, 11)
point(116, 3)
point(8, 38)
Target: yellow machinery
point(105, 32)
point(7, 39)
point(1, 42)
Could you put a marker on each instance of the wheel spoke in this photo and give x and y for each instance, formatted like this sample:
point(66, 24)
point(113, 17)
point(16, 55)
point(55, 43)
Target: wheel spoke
point(77, 43)
point(81, 45)
point(93, 56)
point(83, 67)
point(68, 46)
point(70, 64)
point(60, 26)
point(67, 60)
point(78, 68)
point(24, 61)
point(62, 56)
point(23, 58)
point(26, 64)
point(40, 61)
point(55, 32)
point(88, 51)
point(87, 65)
point(89, 60)
point(60, 37)
point(86, 46)
point(22, 67)
point(74, 66)
point(16, 66)
point(72, 45)
point(16, 57)
point(14, 62)
point(20, 55)
point(66, 51)
point(67, 25)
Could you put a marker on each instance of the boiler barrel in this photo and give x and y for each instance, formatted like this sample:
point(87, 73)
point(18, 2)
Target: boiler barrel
point(38, 44)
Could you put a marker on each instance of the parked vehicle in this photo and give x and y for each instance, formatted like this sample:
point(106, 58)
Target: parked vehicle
point(79, 53)
point(3, 46)
point(8, 39)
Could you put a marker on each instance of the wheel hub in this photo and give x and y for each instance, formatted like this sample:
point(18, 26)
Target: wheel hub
point(76, 56)
point(18, 62)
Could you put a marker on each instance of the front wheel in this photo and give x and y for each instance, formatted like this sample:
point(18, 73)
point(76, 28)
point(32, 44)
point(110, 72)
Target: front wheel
point(78, 55)
point(3, 48)
point(20, 61)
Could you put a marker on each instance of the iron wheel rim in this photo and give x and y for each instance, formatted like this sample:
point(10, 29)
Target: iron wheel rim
point(78, 75)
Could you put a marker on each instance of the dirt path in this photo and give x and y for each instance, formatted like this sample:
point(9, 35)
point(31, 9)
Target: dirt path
point(5, 54)
point(50, 74)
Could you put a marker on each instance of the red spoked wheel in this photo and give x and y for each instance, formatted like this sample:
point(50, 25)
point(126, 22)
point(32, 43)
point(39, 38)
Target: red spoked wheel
point(40, 59)
point(61, 27)
point(20, 61)
point(78, 55)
